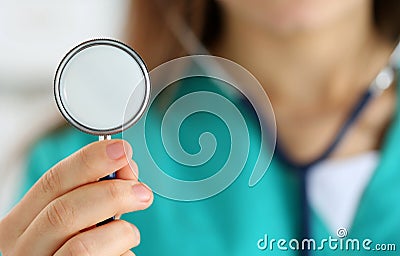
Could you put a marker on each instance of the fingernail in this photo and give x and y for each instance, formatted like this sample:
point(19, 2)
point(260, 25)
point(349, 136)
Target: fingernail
point(134, 169)
point(136, 230)
point(115, 150)
point(135, 172)
point(142, 192)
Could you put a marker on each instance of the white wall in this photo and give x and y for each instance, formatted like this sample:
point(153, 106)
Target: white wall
point(34, 36)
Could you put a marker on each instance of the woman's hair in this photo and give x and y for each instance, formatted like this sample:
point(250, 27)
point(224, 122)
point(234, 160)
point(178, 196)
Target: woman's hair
point(387, 18)
point(155, 25)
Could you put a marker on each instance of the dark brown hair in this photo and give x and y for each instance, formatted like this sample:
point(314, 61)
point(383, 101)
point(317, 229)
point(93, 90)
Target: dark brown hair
point(387, 18)
point(152, 35)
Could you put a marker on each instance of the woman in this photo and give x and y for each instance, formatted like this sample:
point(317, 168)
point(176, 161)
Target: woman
point(316, 60)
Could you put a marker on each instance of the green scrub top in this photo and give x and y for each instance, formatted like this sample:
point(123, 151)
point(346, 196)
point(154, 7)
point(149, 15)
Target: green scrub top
point(241, 220)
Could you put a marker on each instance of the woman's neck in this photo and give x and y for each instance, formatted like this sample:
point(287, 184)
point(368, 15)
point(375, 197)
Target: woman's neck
point(308, 66)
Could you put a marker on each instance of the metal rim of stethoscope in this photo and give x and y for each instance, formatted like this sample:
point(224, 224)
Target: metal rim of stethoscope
point(57, 86)
point(387, 75)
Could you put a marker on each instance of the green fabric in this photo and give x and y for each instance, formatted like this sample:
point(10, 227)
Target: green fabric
point(232, 222)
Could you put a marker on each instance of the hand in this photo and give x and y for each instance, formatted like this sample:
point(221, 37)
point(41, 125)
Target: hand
point(58, 215)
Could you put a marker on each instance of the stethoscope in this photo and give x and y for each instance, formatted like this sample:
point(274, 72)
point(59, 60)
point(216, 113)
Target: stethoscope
point(382, 81)
point(102, 87)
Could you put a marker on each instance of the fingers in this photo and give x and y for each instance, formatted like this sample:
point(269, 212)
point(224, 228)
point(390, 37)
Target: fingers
point(115, 238)
point(80, 209)
point(128, 253)
point(128, 172)
point(86, 165)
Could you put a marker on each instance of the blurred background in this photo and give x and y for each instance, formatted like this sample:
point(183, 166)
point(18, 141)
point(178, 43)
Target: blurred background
point(34, 36)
